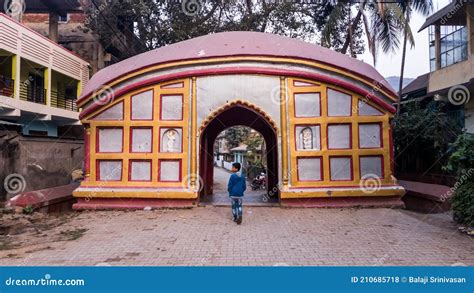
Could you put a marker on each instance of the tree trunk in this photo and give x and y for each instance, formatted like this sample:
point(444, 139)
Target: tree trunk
point(402, 69)
point(352, 28)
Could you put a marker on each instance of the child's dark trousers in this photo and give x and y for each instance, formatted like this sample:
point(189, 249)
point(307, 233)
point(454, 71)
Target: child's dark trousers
point(236, 206)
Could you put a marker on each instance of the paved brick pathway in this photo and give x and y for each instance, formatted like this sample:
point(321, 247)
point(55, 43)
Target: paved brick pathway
point(268, 236)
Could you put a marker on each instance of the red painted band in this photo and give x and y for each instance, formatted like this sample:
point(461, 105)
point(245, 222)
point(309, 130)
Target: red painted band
point(371, 80)
point(239, 70)
point(332, 187)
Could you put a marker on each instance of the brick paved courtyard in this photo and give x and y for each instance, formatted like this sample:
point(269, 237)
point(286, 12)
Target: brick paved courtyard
point(268, 236)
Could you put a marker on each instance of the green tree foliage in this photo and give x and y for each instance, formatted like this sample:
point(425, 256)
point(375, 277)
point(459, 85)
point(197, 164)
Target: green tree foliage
point(127, 27)
point(255, 146)
point(422, 134)
point(462, 157)
point(461, 161)
point(332, 22)
point(236, 135)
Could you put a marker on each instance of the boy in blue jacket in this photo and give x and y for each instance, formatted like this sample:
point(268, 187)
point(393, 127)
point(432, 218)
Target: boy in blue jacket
point(236, 188)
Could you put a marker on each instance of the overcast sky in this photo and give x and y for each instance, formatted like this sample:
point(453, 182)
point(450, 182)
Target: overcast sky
point(417, 61)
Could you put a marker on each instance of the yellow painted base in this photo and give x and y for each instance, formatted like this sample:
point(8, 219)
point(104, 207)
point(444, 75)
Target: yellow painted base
point(124, 193)
point(188, 194)
point(342, 192)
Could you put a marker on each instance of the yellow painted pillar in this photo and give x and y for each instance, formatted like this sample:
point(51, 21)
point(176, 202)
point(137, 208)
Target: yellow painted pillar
point(284, 136)
point(194, 156)
point(16, 76)
point(79, 88)
point(47, 85)
point(87, 162)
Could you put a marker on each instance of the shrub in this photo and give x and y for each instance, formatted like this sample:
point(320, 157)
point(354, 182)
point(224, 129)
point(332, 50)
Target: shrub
point(422, 135)
point(461, 161)
point(462, 204)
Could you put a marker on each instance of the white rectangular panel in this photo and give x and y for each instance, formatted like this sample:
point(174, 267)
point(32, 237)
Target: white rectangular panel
point(110, 140)
point(142, 106)
point(110, 170)
point(340, 168)
point(339, 136)
point(309, 169)
point(339, 104)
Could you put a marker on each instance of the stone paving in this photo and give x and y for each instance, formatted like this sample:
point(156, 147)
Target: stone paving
point(269, 236)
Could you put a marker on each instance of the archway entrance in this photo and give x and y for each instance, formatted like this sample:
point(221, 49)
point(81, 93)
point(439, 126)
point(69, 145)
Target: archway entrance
point(234, 115)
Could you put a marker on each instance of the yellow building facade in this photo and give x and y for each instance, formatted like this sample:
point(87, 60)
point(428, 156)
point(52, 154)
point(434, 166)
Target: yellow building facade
point(151, 122)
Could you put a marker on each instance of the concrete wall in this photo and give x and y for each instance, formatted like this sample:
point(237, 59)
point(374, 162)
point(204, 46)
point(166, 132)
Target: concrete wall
point(452, 75)
point(42, 161)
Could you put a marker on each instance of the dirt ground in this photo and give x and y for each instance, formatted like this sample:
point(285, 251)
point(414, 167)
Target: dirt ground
point(27, 233)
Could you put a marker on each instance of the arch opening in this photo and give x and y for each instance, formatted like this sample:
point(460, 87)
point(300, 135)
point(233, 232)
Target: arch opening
point(238, 115)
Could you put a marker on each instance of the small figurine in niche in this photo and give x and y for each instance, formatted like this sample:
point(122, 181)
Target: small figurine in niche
point(171, 136)
point(307, 135)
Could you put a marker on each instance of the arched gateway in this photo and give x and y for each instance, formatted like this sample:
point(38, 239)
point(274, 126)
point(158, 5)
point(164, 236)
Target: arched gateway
point(151, 122)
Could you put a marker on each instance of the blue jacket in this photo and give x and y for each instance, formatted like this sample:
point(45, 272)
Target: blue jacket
point(236, 186)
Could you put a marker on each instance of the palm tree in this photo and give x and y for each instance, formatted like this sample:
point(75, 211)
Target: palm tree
point(422, 6)
point(381, 22)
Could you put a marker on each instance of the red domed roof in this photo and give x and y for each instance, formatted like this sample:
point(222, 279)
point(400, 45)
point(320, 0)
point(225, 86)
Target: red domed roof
point(235, 44)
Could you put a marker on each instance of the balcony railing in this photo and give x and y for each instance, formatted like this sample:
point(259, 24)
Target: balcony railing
point(7, 86)
point(33, 94)
point(59, 100)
